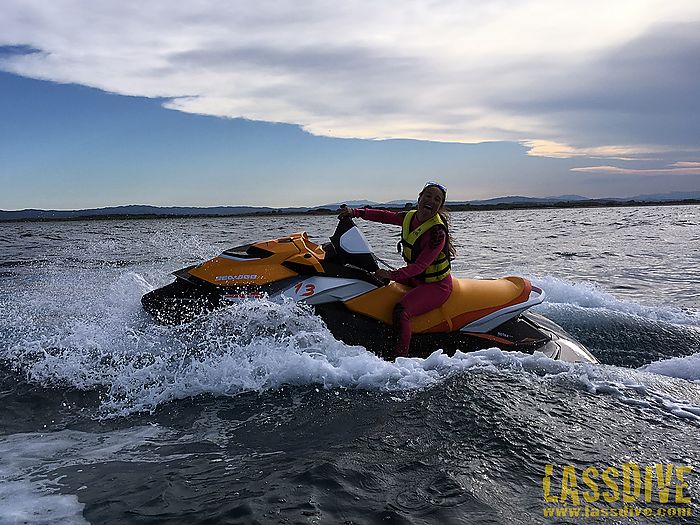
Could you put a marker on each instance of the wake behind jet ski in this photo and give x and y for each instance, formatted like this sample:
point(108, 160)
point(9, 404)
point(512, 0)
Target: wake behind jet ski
point(336, 279)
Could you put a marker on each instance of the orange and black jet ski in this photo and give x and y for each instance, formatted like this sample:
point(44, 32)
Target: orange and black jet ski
point(336, 279)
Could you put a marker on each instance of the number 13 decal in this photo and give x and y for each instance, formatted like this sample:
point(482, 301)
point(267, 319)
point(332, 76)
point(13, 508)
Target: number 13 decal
point(309, 289)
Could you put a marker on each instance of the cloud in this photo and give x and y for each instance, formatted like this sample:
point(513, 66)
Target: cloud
point(677, 168)
point(594, 74)
point(640, 96)
point(686, 164)
point(551, 149)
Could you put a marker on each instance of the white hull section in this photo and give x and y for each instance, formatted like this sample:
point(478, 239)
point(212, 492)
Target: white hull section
point(320, 290)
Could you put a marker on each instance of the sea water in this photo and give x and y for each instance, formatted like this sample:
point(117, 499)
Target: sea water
point(256, 414)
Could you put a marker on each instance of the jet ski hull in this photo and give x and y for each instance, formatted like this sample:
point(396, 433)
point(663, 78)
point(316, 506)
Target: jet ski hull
point(187, 298)
point(184, 301)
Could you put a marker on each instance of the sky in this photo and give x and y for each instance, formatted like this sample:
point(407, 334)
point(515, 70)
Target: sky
point(297, 103)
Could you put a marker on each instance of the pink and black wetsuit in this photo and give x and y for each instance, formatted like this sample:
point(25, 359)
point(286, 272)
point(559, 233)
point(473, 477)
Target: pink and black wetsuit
point(424, 296)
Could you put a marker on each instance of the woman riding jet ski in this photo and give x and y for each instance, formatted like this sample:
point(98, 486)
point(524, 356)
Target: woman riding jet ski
point(343, 283)
point(426, 247)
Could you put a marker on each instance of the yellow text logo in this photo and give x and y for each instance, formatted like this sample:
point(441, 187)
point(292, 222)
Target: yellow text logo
point(626, 483)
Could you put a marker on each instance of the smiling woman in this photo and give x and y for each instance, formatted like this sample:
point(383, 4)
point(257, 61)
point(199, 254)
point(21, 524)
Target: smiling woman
point(426, 247)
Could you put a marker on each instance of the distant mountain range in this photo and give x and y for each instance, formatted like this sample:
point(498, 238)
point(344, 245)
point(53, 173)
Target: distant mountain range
point(147, 211)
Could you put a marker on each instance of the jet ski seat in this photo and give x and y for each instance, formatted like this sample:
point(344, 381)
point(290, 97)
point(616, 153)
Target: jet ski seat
point(471, 299)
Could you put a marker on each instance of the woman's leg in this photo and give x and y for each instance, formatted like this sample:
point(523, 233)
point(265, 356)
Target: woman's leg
point(419, 300)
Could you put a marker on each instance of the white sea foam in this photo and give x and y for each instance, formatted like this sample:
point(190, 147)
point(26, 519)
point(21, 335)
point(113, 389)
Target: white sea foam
point(562, 293)
point(639, 389)
point(682, 367)
point(29, 492)
point(25, 502)
point(102, 340)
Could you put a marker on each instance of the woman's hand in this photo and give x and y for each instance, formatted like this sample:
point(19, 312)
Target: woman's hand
point(345, 212)
point(382, 274)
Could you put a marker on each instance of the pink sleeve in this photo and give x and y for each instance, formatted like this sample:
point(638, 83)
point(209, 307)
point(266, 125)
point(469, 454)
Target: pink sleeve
point(431, 244)
point(385, 216)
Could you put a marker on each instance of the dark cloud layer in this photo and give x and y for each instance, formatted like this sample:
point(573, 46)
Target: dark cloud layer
point(348, 59)
point(645, 92)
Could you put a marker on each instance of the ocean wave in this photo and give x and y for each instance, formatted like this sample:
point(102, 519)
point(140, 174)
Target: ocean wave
point(101, 340)
point(260, 346)
point(590, 296)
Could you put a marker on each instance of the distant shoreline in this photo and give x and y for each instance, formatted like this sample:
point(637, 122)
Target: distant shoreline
point(603, 203)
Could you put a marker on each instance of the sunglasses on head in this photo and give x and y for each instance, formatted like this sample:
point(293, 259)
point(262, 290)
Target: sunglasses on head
point(431, 183)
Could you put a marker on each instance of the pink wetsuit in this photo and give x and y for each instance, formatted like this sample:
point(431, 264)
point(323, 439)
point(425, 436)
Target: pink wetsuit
point(424, 296)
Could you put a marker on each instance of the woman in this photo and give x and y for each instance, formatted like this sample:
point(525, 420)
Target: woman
point(426, 248)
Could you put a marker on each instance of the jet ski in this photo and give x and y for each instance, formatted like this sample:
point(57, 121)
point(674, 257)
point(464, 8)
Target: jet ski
point(336, 280)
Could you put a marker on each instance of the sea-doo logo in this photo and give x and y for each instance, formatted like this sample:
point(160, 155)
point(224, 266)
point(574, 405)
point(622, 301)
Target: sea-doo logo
point(233, 297)
point(241, 277)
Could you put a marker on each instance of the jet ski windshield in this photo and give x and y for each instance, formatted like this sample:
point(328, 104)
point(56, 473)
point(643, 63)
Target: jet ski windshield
point(354, 242)
point(349, 246)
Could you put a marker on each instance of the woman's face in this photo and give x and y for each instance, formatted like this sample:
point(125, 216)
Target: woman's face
point(430, 201)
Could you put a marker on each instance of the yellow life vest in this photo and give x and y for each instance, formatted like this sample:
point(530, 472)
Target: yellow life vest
point(440, 268)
